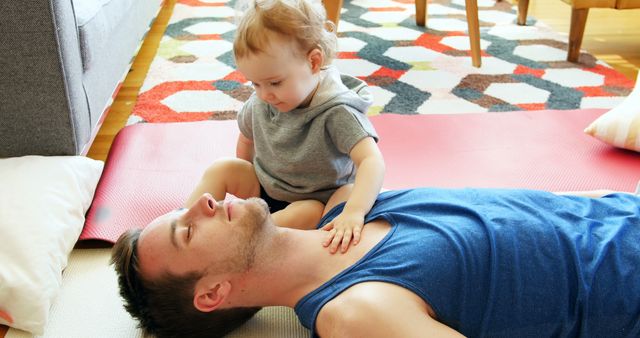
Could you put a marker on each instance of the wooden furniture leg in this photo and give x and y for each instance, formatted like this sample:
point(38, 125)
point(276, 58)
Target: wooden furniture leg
point(421, 12)
point(473, 25)
point(333, 8)
point(523, 7)
point(576, 32)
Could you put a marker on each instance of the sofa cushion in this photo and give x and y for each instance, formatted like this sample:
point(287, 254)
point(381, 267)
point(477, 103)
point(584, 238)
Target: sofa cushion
point(86, 10)
point(108, 57)
point(97, 20)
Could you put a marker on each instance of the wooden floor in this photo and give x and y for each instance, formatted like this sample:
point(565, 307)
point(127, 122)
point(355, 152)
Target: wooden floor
point(611, 35)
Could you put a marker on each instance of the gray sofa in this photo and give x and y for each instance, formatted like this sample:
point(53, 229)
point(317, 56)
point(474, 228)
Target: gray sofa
point(61, 63)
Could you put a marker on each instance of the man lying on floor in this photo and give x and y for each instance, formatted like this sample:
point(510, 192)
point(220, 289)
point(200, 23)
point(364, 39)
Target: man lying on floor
point(431, 262)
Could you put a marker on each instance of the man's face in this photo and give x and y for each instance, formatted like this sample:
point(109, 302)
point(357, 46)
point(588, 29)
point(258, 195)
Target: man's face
point(210, 236)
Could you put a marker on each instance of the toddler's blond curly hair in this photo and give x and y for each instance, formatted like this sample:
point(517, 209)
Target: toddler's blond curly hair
point(303, 21)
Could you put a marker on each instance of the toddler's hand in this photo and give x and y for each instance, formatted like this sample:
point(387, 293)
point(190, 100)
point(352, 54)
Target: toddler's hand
point(342, 230)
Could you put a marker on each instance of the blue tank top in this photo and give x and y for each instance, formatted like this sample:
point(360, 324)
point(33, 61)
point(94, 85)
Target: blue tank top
point(505, 263)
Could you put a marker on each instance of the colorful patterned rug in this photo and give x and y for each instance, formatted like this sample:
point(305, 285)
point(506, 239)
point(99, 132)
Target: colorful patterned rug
point(411, 69)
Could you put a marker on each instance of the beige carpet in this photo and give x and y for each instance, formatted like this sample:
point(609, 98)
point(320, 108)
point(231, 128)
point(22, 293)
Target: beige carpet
point(89, 306)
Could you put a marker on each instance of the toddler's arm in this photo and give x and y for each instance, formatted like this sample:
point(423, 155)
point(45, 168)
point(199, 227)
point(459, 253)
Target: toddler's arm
point(244, 148)
point(369, 176)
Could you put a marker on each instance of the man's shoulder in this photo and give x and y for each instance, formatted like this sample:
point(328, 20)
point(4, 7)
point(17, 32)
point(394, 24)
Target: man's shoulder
point(345, 313)
point(357, 299)
point(351, 313)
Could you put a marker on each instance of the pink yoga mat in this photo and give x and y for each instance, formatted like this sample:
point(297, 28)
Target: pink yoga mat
point(152, 168)
point(527, 149)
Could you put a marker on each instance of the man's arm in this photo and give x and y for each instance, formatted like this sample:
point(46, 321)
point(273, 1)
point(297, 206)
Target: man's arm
point(378, 309)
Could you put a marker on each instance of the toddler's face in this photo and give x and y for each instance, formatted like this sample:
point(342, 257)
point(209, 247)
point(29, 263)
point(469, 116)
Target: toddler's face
point(280, 77)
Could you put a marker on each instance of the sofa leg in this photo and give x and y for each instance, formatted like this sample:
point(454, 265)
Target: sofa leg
point(421, 13)
point(523, 7)
point(576, 32)
point(333, 8)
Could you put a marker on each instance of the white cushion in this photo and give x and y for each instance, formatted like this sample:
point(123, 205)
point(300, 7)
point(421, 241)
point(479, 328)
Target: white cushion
point(620, 127)
point(43, 201)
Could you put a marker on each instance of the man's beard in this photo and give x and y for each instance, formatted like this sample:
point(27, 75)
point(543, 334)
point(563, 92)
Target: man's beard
point(257, 218)
point(253, 225)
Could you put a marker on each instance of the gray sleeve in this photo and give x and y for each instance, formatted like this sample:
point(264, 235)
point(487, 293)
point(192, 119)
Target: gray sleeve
point(346, 127)
point(245, 119)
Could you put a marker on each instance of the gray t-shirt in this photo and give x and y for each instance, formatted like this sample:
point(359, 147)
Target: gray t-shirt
point(304, 153)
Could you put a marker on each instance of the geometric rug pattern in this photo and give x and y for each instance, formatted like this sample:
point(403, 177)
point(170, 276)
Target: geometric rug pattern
point(411, 69)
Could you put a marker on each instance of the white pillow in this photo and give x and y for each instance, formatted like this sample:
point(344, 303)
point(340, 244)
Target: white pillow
point(620, 126)
point(43, 201)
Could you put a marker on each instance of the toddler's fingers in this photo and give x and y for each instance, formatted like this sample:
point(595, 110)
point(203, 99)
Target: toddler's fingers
point(356, 235)
point(335, 243)
point(329, 238)
point(346, 240)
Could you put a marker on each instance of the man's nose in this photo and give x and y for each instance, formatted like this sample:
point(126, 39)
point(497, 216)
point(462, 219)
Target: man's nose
point(207, 204)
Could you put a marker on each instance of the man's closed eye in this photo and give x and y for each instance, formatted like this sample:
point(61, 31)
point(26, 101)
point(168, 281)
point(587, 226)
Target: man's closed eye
point(189, 232)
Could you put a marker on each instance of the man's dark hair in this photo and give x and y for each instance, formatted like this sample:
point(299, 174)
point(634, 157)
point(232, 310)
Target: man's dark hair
point(164, 306)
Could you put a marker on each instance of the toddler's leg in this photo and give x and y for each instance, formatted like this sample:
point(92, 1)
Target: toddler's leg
point(229, 175)
point(303, 215)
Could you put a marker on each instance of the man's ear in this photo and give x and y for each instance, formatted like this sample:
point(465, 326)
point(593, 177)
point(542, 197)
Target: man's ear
point(210, 295)
point(316, 59)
